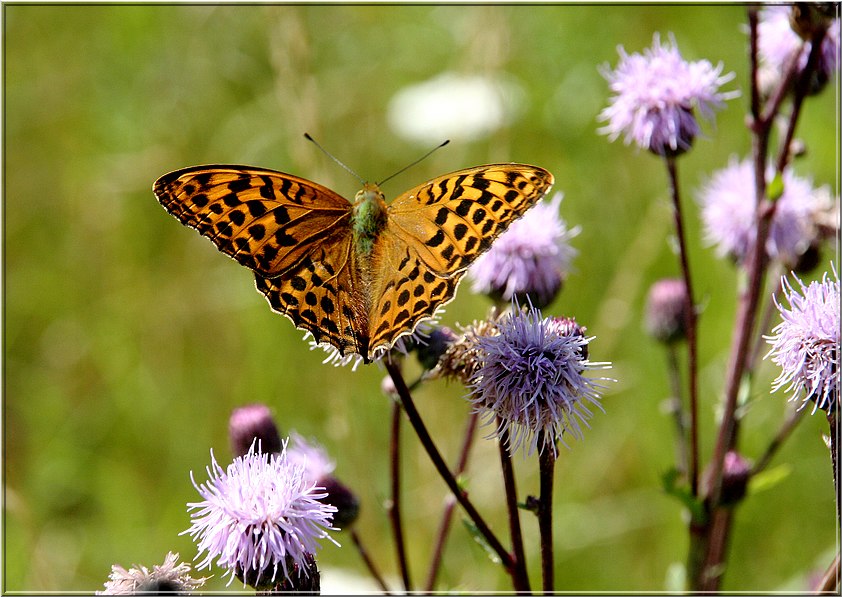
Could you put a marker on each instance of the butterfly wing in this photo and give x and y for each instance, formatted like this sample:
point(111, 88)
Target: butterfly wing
point(435, 231)
point(324, 295)
point(268, 221)
point(293, 233)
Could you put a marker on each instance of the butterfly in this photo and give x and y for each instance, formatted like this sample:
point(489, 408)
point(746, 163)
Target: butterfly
point(357, 276)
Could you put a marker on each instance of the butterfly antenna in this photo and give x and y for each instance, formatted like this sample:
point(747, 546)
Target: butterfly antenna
point(334, 158)
point(423, 157)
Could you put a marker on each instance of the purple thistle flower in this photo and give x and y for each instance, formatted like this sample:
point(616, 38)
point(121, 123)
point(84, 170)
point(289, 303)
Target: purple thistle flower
point(530, 258)
point(168, 578)
point(728, 212)
point(318, 468)
point(777, 43)
point(253, 422)
point(806, 343)
point(656, 94)
point(258, 515)
point(666, 311)
point(312, 457)
point(530, 381)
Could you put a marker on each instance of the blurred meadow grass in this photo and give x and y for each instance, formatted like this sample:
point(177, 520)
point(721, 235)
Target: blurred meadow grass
point(128, 339)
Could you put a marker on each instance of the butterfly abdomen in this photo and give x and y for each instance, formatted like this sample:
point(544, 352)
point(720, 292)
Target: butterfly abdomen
point(369, 218)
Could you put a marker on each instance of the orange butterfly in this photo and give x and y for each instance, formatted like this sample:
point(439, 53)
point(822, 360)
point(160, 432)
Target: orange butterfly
point(356, 276)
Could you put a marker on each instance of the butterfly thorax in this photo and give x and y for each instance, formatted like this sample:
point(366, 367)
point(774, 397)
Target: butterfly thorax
point(369, 217)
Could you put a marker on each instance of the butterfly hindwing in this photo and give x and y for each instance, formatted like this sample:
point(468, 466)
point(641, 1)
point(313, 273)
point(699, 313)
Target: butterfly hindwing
point(410, 293)
point(324, 296)
point(266, 220)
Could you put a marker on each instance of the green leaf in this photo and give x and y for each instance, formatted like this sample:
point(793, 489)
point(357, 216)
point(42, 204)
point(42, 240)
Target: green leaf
point(479, 538)
point(682, 493)
point(769, 478)
point(775, 188)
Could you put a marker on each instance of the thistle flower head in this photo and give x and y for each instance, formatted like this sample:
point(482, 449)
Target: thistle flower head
point(259, 516)
point(729, 214)
point(530, 380)
point(253, 422)
point(778, 43)
point(168, 578)
point(655, 95)
point(666, 310)
point(459, 361)
point(805, 344)
point(318, 468)
point(530, 259)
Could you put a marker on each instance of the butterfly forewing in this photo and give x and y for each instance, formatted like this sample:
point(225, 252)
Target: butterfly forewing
point(435, 231)
point(266, 220)
point(453, 219)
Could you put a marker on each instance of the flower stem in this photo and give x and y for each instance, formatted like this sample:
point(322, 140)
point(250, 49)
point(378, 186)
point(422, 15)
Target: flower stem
point(773, 447)
point(369, 563)
point(546, 466)
point(802, 86)
point(676, 406)
point(520, 579)
point(438, 462)
point(447, 515)
point(709, 577)
point(766, 321)
point(395, 505)
point(830, 581)
point(690, 314)
point(833, 444)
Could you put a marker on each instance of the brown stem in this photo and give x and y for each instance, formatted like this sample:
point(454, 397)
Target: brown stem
point(833, 444)
point(546, 465)
point(830, 581)
point(691, 317)
point(395, 506)
point(438, 462)
point(676, 406)
point(720, 531)
point(520, 579)
point(766, 321)
point(739, 362)
point(773, 447)
point(369, 563)
point(447, 515)
point(802, 86)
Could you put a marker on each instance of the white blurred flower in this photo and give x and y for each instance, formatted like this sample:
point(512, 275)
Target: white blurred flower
point(452, 106)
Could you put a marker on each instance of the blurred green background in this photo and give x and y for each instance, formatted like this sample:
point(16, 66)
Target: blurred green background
point(128, 339)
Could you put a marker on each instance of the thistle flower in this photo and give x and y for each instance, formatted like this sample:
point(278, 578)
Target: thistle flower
point(257, 516)
point(530, 259)
point(431, 350)
point(666, 311)
point(729, 215)
point(459, 361)
point(777, 43)
point(655, 97)
point(250, 423)
point(530, 380)
point(806, 343)
point(318, 468)
point(169, 577)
